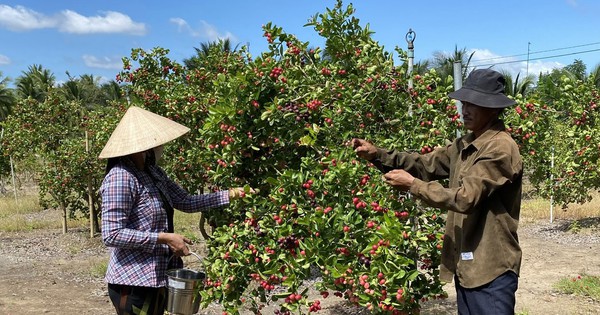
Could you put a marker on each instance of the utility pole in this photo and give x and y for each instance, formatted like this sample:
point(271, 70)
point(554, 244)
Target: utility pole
point(410, 39)
point(457, 71)
point(527, 72)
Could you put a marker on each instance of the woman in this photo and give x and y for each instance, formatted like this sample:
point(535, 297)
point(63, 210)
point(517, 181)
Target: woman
point(137, 212)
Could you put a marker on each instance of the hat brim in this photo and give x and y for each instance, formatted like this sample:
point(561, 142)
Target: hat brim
point(482, 99)
point(140, 130)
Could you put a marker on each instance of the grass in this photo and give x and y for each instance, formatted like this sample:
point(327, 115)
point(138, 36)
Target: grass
point(21, 214)
point(98, 269)
point(25, 214)
point(581, 285)
point(539, 209)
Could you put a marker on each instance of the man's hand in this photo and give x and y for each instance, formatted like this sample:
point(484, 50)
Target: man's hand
point(400, 179)
point(364, 149)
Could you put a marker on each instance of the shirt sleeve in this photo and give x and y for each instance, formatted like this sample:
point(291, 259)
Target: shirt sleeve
point(119, 195)
point(490, 171)
point(186, 202)
point(431, 166)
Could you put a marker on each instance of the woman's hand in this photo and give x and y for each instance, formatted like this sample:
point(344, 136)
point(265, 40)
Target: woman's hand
point(239, 192)
point(176, 242)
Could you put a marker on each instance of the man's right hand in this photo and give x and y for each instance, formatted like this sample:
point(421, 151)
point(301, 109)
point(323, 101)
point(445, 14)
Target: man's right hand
point(364, 149)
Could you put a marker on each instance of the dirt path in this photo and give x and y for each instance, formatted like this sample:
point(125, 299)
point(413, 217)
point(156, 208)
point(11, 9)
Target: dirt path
point(46, 272)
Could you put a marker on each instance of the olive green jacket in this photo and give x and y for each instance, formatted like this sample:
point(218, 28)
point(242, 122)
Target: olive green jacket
point(483, 198)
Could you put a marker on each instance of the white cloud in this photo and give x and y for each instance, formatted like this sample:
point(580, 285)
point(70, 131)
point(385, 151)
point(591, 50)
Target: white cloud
point(483, 58)
point(20, 18)
point(111, 22)
point(206, 30)
point(4, 60)
point(102, 63)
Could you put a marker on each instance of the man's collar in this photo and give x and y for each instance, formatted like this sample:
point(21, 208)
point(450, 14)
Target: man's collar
point(491, 132)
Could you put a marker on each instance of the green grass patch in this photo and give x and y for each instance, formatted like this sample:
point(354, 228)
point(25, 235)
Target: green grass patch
point(21, 214)
point(581, 285)
point(25, 214)
point(98, 269)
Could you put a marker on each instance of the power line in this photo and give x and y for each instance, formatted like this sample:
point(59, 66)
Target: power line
point(539, 52)
point(530, 59)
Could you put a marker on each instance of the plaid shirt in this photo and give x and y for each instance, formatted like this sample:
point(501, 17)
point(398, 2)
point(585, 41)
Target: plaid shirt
point(132, 217)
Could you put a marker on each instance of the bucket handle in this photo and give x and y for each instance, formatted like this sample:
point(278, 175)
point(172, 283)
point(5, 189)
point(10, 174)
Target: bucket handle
point(196, 255)
point(191, 253)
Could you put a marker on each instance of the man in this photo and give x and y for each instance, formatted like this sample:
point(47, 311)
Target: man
point(481, 251)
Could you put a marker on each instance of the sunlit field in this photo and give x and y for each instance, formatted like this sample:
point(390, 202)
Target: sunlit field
point(24, 214)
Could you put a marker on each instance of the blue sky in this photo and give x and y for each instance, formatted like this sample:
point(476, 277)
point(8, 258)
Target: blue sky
point(91, 37)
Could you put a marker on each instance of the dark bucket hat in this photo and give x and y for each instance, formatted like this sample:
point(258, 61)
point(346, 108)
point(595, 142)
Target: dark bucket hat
point(485, 88)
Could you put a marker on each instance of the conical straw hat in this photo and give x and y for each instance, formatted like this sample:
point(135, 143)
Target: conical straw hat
point(140, 130)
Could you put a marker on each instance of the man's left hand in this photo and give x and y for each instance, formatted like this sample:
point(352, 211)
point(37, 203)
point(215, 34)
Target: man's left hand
point(399, 179)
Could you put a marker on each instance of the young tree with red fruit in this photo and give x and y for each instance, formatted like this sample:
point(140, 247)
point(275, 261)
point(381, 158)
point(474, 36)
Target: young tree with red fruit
point(558, 136)
point(279, 122)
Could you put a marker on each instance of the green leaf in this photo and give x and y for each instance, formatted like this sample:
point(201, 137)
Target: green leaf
point(265, 115)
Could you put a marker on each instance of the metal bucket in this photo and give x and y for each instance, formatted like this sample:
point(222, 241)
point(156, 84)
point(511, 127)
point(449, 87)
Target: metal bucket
point(182, 287)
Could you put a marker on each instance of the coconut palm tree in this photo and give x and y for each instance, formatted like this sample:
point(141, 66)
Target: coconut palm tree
point(595, 76)
point(577, 69)
point(88, 90)
point(111, 91)
point(220, 46)
point(7, 98)
point(443, 63)
point(518, 87)
point(35, 83)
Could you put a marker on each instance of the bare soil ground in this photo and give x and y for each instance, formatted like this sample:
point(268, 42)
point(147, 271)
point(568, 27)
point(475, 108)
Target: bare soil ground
point(47, 272)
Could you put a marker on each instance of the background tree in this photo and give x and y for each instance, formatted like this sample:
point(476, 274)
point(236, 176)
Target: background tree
point(111, 92)
point(35, 83)
point(577, 69)
point(7, 102)
point(87, 90)
point(515, 87)
point(7, 98)
point(221, 47)
point(594, 76)
point(443, 62)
